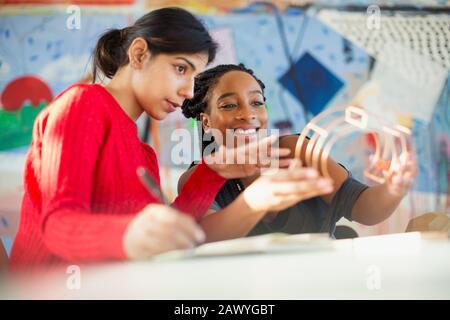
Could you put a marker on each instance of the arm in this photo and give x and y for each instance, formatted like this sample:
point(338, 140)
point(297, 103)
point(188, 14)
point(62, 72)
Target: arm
point(72, 138)
point(270, 192)
point(198, 190)
point(234, 221)
point(375, 204)
point(201, 186)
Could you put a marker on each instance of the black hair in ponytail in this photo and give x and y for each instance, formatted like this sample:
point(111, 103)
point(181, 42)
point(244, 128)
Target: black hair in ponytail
point(166, 30)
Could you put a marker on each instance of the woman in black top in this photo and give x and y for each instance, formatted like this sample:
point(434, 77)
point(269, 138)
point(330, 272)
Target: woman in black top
point(232, 97)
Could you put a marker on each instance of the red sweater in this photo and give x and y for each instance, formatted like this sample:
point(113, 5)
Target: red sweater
point(81, 187)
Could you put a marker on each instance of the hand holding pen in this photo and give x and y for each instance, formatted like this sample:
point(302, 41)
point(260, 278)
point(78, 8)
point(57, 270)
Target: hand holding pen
point(158, 228)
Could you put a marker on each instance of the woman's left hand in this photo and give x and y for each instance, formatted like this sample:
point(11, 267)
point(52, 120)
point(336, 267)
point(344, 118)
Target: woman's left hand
point(400, 177)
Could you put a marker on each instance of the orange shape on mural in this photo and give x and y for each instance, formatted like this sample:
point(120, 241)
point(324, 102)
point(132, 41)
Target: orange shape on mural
point(25, 89)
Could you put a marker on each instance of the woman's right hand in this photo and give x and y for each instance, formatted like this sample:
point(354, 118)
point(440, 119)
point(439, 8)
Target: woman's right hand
point(247, 159)
point(279, 189)
point(159, 228)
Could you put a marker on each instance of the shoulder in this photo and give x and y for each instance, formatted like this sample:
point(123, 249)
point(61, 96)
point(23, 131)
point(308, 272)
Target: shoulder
point(81, 90)
point(83, 101)
point(79, 107)
point(82, 96)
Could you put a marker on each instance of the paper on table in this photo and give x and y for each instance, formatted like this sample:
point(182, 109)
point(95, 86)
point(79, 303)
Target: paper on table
point(274, 242)
point(265, 243)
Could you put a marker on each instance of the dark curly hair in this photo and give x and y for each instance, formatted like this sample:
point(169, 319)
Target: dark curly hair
point(205, 82)
point(203, 86)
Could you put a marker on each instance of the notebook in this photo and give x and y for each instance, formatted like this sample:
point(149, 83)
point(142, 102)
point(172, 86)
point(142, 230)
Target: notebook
point(268, 243)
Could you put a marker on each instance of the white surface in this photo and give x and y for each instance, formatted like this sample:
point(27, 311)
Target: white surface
point(384, 267)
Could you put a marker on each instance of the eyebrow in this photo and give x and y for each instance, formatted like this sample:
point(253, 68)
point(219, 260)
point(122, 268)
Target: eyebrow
point(229, 94)
point(187, 61)
point(256, 91)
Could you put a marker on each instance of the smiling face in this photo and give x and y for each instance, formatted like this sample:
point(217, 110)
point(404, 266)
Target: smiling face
point(236, 103)
point(164, 81)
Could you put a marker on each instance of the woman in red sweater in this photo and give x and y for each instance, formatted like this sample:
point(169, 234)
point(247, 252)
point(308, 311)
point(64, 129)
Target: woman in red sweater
point(83, 200)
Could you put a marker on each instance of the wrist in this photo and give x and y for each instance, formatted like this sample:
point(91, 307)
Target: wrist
point(213, 168)
point(394, 192)
point(252, 202)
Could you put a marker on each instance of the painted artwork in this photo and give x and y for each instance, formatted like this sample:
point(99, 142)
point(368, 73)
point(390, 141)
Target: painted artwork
point(311, 83)
point(39, 57)
point(66, 2)
point(22, 99)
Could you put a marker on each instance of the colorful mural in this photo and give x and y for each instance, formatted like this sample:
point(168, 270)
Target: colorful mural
point(39, 57)
point(306, 66)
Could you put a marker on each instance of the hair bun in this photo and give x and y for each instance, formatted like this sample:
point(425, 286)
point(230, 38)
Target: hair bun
point(190, 109)
point(109, 52)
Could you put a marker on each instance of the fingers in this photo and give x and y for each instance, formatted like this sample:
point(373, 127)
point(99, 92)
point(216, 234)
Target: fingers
point(407, 170)
point(152, 245)
point(282, 201)
point(319, 186)
point(160, 229)
point(285, 163)
point(402, 182)
point(276, 153)
point(190, 228)
point(399, 181)
point(264, 151)
point(291, 169)
point(180, 227)
point(295, 174)
point(295, 163)
point(297, 197)
point(404, 174)
point(248, 159)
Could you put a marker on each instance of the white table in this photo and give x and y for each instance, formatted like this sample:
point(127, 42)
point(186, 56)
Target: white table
point(400, 266)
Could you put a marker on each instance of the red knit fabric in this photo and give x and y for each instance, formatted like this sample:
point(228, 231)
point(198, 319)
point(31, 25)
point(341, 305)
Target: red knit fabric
point(81, 187)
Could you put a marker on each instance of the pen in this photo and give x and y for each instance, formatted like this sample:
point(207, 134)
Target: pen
point(151, 185)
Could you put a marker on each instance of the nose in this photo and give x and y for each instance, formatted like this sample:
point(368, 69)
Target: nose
point(187, 90)
point(246, 113)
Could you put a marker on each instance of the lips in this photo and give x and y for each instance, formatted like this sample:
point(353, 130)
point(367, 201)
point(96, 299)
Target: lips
point(172, 105)
point(246, 131)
